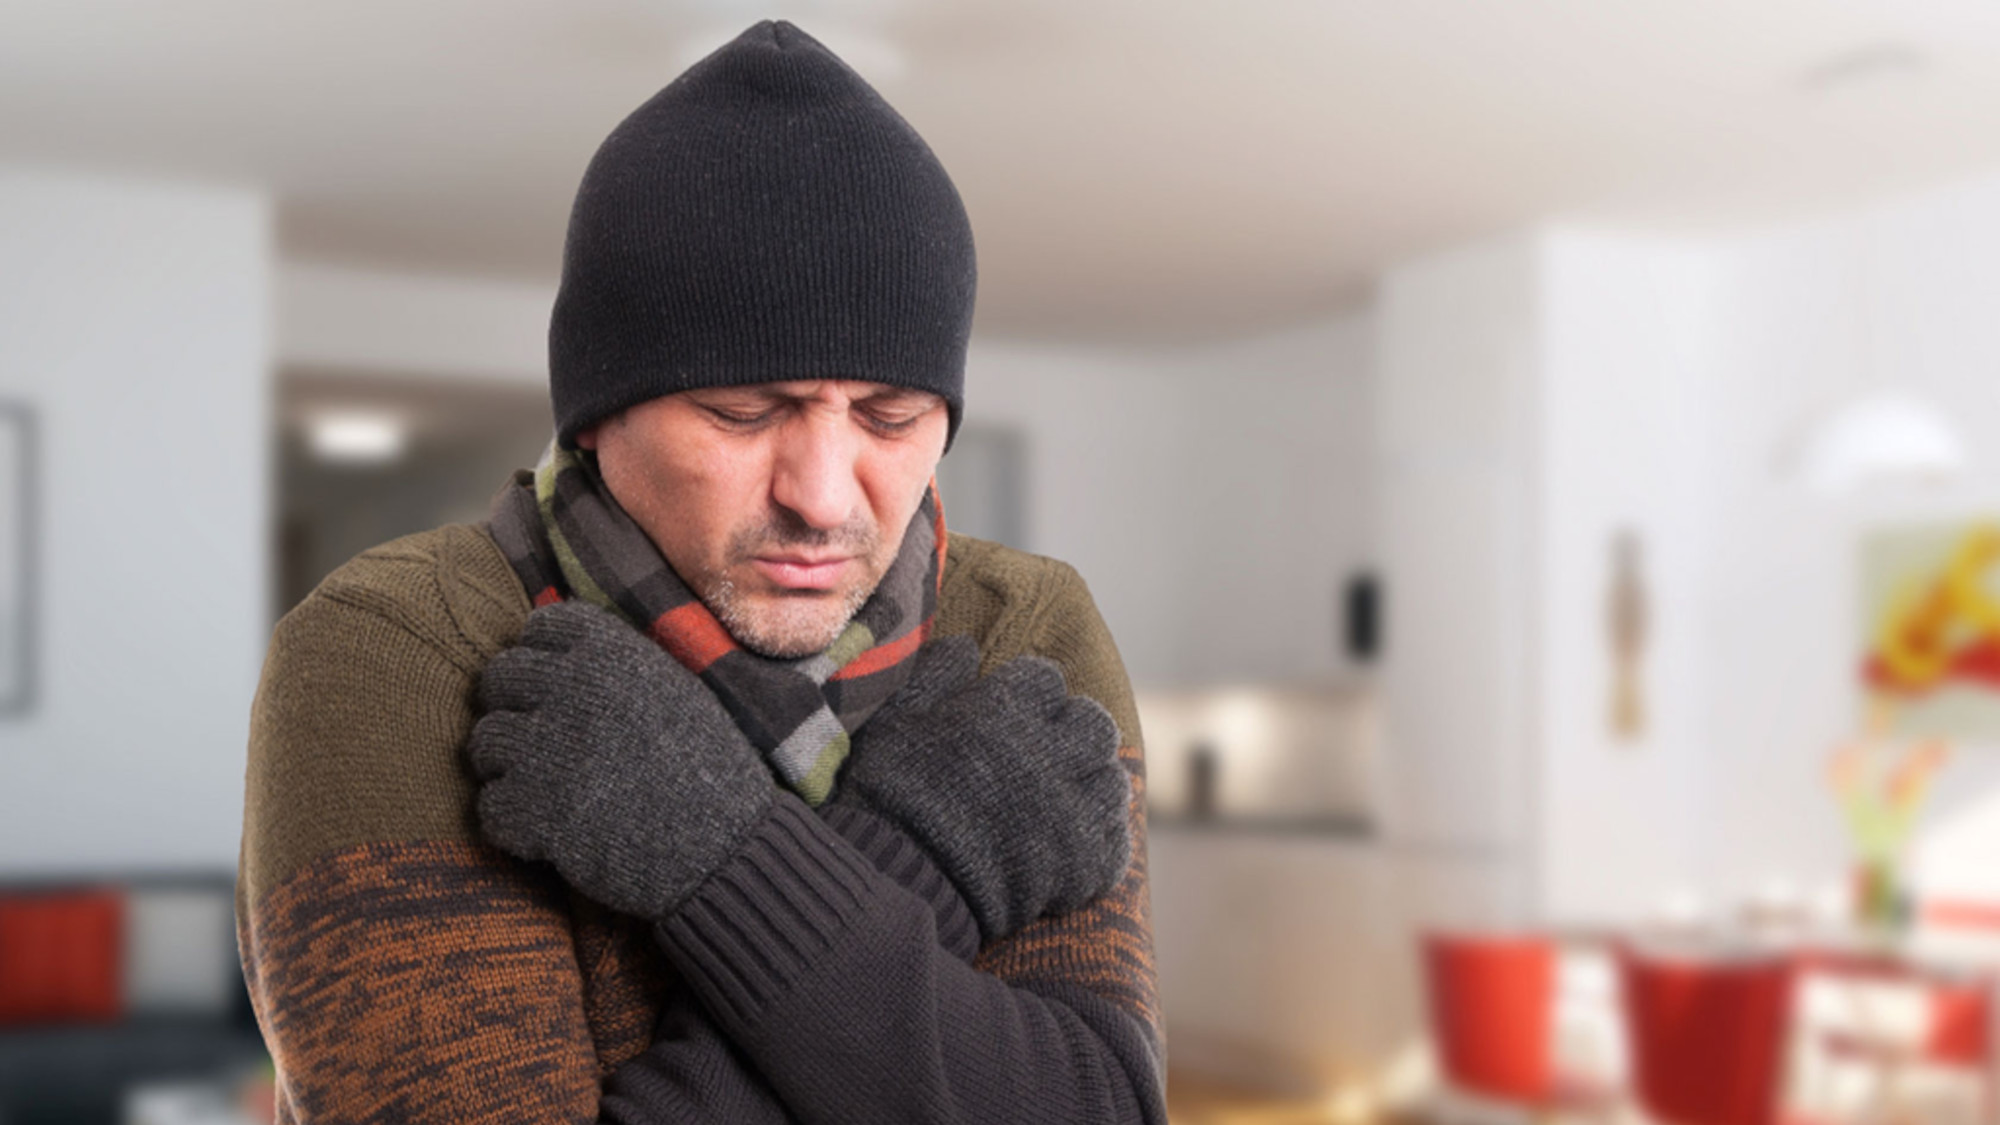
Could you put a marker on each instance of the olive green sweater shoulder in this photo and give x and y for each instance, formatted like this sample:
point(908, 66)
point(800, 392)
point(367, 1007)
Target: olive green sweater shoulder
point(1016, 604)
point(368, 687)
point(366, 700)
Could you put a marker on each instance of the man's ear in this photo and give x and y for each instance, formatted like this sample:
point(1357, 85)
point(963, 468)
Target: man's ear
point(587, 439)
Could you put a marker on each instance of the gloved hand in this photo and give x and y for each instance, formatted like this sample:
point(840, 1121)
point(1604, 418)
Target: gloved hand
point(601, 754)
point(1010, 783)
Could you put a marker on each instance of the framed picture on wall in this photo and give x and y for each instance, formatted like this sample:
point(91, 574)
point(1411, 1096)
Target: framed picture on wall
point(1931, 608)
point(19, 537)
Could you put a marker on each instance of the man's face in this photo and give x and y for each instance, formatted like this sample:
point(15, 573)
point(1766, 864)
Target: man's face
point(781, 505)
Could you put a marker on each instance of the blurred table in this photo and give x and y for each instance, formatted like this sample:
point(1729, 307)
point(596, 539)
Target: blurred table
point(1876, 1024)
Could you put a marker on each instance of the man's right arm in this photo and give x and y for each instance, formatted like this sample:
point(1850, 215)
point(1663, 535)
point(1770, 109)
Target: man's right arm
point(398, 967)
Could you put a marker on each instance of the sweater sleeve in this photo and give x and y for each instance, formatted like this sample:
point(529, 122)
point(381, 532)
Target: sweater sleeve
point(689, 1075)
point(692, 1073)
point(831, 980)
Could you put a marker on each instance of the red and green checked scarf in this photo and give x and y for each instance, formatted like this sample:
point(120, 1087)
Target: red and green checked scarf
point(566, 537)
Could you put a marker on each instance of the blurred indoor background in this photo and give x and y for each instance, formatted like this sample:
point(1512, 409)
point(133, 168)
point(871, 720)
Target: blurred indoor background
point(1540, 461)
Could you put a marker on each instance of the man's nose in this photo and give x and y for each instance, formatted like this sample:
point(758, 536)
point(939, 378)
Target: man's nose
point(814, 472)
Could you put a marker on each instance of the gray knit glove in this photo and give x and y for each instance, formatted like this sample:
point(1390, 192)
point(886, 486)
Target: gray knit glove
point(1011, 784)
point(601, 754)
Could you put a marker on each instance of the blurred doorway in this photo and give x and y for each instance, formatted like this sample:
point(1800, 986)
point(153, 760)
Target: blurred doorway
point(364, 458)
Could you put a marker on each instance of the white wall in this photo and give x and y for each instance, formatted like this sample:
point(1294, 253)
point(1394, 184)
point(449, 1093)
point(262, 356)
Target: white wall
point(134, 319)
point(1457, 396)
point(1214, 499)
point(1281, 498)
point(1627, 358)
point(1538, 394)
point(349, 319)
point(1105, 443)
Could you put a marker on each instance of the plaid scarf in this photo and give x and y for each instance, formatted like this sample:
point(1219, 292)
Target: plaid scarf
point(566, 537)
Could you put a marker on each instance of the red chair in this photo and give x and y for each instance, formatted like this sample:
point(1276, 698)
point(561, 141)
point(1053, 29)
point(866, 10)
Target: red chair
point(1708, 1037)
point(60, 954)
point(1492, 1009)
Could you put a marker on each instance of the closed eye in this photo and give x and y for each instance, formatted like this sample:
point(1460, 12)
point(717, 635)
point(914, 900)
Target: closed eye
point(739, 419)
point(889, 423)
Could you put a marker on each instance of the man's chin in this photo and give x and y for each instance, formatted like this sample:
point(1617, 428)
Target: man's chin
point(788, 625)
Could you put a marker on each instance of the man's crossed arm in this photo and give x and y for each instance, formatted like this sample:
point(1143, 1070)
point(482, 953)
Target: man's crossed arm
point(835, 998)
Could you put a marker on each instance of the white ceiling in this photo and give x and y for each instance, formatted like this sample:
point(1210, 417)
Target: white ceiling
point(1136, 172)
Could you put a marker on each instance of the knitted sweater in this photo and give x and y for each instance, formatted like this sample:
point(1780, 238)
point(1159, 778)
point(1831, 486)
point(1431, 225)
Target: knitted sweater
point(402, 970)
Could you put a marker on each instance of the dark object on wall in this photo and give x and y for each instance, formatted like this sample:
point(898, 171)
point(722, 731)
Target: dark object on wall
point(1361, 615)
point(1202, 764)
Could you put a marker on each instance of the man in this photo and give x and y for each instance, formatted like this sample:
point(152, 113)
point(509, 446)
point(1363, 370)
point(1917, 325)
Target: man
point(710, 779)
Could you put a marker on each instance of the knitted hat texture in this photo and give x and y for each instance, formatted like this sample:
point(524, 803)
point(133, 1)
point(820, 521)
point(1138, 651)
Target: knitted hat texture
point(765, 217)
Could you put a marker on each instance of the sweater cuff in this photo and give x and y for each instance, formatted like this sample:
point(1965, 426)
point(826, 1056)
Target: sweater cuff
point(899, 857)
point(760, 923)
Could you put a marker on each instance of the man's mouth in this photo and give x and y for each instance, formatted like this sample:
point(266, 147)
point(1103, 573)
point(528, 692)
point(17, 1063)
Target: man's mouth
point(802, 572)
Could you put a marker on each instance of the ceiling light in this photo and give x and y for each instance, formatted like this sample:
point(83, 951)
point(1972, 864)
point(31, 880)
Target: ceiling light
point(1888, 437)
point(357, 437)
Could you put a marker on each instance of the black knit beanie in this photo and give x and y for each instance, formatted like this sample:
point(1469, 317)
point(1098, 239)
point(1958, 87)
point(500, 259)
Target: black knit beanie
point(765, 217)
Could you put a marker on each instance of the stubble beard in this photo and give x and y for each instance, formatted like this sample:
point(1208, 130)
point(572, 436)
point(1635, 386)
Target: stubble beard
point(789, 625)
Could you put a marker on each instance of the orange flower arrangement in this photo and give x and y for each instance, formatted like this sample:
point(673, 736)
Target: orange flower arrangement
point(1882, 788)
